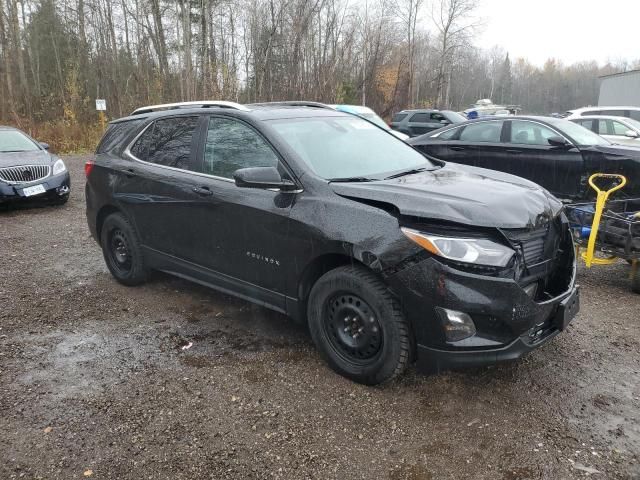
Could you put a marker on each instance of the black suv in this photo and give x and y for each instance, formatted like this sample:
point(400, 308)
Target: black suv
point(389, 256)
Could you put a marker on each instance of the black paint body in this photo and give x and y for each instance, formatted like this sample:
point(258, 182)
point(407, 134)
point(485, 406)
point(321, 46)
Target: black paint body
point(271, 246)
point(564, 171)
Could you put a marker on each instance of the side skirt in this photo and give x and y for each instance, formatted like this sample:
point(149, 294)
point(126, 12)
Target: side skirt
point(221, 282)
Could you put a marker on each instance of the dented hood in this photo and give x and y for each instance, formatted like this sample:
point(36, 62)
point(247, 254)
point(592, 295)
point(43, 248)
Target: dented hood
point(462, 194)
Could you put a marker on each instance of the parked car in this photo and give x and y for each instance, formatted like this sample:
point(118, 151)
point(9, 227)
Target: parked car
point(419, 122)
point(620, 130)
point(554, 153)
point(629, 112)
point(29, 172)
point(388, 256)
point(368, 114)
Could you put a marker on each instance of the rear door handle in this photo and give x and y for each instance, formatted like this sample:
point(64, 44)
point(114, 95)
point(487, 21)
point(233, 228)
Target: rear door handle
point(130, 173)
point(203, 191)
point(457, 149)
point(511, 150)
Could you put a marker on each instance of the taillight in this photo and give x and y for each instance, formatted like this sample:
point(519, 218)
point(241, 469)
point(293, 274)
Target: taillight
point(88, 167)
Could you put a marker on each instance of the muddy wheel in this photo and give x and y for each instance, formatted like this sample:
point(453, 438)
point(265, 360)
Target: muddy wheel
point(358, 326)
point(122, 251)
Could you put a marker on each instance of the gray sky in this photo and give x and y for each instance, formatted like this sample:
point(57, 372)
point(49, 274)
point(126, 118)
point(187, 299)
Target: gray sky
point(569, 30)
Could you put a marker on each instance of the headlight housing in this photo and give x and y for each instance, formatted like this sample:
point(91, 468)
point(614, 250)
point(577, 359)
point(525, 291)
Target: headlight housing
point(479, 251)
point(58, 167)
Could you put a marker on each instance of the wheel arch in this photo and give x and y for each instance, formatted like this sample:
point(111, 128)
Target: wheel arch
point(103, 213)
point(321, 265)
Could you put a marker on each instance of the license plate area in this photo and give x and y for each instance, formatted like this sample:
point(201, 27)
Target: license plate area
point(567, 310)
point(33, 190)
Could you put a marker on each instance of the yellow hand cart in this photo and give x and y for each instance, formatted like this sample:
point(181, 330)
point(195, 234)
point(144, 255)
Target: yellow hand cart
point(607, 230)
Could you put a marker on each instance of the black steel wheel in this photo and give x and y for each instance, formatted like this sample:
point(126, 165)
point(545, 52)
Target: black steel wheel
point(358, 326)
point(352, 328)
point(122, 251)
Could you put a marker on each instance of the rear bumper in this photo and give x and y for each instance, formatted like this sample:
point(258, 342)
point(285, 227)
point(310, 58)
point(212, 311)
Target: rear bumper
point(56, 187)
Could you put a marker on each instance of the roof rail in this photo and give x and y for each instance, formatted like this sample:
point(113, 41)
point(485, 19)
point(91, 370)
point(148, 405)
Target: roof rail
point(292, 103)
point(196, 104)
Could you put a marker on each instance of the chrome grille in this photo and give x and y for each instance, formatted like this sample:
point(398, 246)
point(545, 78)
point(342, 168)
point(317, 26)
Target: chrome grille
point(24, 173)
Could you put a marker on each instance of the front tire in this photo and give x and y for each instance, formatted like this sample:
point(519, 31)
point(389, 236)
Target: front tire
point(358, 326)
point(122, 250)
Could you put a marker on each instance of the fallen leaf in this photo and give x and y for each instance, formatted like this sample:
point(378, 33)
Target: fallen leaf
point(48, 429)
point(88, 473)
point(582, 468)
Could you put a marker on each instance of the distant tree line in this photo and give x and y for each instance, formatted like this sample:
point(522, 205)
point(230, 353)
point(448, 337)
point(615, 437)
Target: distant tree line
point(58, 56)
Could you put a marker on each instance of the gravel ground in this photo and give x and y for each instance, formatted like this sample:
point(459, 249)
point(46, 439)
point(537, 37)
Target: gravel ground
point(95, 382)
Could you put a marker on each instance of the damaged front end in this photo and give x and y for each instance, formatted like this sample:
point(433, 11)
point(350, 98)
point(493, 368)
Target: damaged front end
point(472, 313)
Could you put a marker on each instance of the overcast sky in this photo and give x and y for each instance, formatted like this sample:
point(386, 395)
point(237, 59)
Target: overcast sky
point(570, 30)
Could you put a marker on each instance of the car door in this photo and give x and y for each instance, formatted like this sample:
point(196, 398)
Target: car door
point(478, 145)
point(558, 169)
point(169, 195)
point(421, 123)
point(242, 232)
point(616, 132)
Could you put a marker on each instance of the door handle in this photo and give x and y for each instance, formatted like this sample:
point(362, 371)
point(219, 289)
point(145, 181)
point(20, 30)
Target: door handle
point(510, 150)
point(203, 191)
point(457, 149)
point(130, 173)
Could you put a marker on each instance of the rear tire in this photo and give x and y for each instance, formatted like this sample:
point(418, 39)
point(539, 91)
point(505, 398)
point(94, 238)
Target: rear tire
point(122, 250)
point(358, 326)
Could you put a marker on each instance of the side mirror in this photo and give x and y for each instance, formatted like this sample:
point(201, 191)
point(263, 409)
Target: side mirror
point(631, 134)
point(445, 122)
point(558, 141)
point(262, 177)
point(44, 145)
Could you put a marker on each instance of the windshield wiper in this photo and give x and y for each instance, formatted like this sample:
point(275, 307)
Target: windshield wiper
point(406, 172)
point(352, 179)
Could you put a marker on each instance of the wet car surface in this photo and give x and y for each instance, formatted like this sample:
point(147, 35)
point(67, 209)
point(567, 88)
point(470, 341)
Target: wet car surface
point(172, 380)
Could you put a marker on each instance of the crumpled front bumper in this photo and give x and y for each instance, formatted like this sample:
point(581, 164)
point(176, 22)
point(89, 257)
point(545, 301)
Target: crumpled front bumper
point(508, 322)
point(56, 186)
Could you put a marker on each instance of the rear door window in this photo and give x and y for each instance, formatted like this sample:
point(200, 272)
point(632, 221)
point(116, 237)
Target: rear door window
point(635, 114)
point(398, 117)
point(484, 132)
point(168, 142)
point(530, 133)
point(420, 118)
point(619, 128)
point(232, 145)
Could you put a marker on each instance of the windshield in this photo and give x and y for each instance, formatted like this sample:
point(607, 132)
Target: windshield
point(372, 117)
point(633, 123)
point(454, 117)
point(348, 147)
point(580, 135)
point(14, 141)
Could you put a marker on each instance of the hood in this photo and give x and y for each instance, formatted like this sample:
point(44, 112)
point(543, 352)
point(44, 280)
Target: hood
point(461, 194)
point(16, 159)
point(616, 150)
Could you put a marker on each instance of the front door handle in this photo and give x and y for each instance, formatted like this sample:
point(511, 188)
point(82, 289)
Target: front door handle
point(511, 150)
point(457, 149)
point(130, 173)
point(203, 191)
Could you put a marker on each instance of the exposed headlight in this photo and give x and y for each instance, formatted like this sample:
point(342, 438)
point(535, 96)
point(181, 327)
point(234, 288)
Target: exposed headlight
point(480, 251)
point(58, 167)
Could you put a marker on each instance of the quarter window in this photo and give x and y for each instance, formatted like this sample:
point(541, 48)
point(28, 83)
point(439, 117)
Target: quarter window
point(167, 142)
point(232, 145)
point(530, 133)
point(398, 117)
point(449, 134)
point(484, 132)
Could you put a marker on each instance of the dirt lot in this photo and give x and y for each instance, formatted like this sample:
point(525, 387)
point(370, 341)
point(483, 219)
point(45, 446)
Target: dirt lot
point(94, 382)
